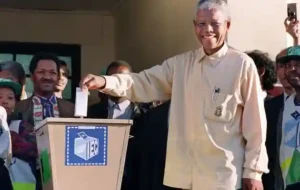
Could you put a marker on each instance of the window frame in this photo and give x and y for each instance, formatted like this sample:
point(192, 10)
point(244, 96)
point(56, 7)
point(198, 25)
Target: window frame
point(31, 48)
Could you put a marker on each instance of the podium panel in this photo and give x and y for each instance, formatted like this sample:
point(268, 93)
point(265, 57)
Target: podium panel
point(78, 154)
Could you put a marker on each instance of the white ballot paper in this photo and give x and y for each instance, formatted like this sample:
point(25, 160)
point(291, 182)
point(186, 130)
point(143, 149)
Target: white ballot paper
point(81, 103)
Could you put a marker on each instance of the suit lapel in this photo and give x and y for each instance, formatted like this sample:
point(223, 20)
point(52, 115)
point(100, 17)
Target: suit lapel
point(278, 177)
point(136, 111)
point(28, 115)
point(60, 107)
point(103, 112)
point(64, 109)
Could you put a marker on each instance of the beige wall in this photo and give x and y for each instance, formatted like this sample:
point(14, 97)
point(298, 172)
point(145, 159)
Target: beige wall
point(149, 31)
point(146, 32)
point(94, 31)
point(258, 24)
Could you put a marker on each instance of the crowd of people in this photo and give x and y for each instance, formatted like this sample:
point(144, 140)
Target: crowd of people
point(211, 118)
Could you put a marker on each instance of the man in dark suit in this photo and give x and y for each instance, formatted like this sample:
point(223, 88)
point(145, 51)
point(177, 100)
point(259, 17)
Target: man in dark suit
point(274, 108)
point(115, 107)
point(44, 69)
point(150, 149)
point(278, 111)
point(119, 108)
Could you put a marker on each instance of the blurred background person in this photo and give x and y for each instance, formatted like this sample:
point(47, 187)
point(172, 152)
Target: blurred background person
point(24, 148)
point(266, 71)
point(63, 79)
point(15, 71)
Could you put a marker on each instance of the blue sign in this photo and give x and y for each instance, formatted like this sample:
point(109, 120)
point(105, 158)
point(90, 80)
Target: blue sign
point(86, 146)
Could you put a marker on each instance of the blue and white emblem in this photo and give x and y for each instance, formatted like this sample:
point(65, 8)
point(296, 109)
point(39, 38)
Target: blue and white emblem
point(86, 146)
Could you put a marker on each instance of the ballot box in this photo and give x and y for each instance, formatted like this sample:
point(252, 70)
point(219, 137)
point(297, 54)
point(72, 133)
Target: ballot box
point(77, 154)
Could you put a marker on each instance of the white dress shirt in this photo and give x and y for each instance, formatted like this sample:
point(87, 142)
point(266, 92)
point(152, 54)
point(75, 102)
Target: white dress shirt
point(285, 95)
point(122, 110)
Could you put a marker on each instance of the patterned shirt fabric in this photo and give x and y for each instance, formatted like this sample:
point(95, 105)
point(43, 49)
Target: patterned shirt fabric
point(48, 106)
point(24, 142)
point(290, 144)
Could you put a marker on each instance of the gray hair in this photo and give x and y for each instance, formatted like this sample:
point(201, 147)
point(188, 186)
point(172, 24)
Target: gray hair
point(214, 4)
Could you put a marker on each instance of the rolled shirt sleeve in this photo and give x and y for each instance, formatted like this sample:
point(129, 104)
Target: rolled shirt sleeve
point(149, 85)
point(254, 125)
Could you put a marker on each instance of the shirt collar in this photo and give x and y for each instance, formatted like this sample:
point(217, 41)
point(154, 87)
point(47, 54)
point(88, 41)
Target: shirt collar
point(52, 99)
point(285, 95)
point(214, 57)
point(122, 105)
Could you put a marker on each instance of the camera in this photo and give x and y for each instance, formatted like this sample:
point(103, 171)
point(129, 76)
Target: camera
point(292, 11)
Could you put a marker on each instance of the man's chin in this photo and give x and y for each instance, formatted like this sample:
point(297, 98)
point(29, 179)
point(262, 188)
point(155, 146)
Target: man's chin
point(48, 90)
point(295, 83)
point(210, 46)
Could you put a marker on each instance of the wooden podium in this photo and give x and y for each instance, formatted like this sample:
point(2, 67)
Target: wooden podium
point(77, 154)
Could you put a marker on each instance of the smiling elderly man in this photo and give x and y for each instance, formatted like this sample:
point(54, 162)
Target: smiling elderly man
point(217, 123)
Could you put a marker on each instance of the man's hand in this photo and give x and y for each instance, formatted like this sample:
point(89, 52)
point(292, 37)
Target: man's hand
point(292, 27)
point(92, 82)
point(252, 184)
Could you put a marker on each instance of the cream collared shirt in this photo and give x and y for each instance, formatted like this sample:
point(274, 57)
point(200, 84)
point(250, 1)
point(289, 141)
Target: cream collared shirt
point(215, 139)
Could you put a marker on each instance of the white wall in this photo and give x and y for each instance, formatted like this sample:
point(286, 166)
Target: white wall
point(258, 24)
point(149, 31)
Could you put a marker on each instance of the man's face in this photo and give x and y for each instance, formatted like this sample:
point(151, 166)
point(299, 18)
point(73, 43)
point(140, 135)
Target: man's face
point(211, 27)
point(63, 78)
point(7, 99)
point(281, 75)
point(45, 76)
point(292, 73)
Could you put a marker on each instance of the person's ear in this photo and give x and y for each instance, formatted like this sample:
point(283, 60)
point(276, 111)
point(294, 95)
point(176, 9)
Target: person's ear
point(228, 24)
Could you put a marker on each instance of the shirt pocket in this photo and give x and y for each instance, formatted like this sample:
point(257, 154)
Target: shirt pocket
point(220, 108)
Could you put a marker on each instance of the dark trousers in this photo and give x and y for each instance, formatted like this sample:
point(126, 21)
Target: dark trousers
point(39, 185)
point(5, 182)
point(295, 186)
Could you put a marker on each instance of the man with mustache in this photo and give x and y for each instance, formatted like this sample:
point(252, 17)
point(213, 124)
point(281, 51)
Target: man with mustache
point(217, 123)
point(44, 70)
point(283, 139)
point(274, 108)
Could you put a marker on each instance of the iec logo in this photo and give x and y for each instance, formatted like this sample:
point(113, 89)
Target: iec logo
point(86, 146)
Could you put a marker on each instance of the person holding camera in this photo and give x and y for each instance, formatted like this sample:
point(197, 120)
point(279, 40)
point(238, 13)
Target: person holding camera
point(292, 27)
